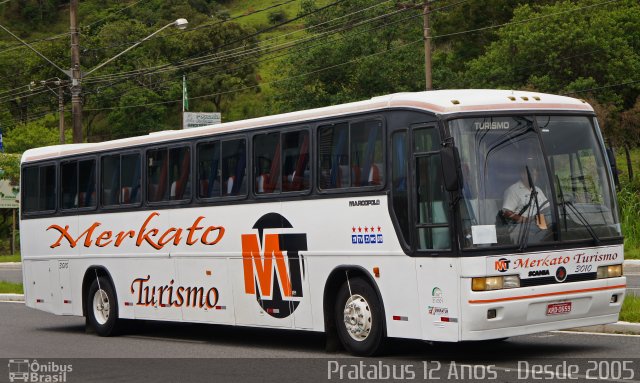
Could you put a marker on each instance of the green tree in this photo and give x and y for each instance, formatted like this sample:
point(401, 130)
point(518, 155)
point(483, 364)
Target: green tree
point(566, 47)
point(10, 167)
point(34, 134)
point(364, 59)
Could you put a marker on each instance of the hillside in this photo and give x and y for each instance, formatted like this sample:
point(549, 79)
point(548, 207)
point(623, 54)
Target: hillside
point(247, 58)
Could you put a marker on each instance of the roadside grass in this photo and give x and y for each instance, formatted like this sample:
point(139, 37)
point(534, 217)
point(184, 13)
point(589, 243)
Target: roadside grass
point(10, 258)
point(630, 309)
point(629, 203)
point(244, 7)
point(11, 288)
point(631, 253)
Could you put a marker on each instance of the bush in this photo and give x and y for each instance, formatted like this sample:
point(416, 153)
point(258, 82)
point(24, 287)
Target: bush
point(629, 201)
point(277, 17)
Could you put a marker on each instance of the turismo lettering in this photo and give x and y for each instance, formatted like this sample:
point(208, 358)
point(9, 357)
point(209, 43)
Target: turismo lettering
point(173, 296)
point(583, 258)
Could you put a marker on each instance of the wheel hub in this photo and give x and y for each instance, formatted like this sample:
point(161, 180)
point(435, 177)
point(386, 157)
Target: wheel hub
point(357, 317)
point(101, 306)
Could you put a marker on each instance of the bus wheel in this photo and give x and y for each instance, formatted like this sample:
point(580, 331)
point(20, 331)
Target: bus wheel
point(359, 318)
point(102, 307)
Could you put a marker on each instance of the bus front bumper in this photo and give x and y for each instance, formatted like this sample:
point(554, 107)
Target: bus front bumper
point(537, 309)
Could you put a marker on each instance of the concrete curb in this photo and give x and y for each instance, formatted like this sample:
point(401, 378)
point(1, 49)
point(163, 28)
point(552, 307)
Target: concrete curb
point(613, 328)
point(632, 266)
point(12, 297)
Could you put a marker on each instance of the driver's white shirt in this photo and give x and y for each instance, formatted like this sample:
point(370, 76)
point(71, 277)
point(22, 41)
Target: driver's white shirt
point(517, 196)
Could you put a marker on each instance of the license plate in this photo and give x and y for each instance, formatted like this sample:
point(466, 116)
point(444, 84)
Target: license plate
point(559, 308)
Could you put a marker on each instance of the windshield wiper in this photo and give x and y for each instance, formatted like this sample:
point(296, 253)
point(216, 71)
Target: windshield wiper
point(563, 202)
point(584, 221)
point(575, 211)
point(523, 236)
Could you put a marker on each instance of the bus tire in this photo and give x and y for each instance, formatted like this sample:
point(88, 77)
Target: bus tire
point(102, 307)
point(359, 319)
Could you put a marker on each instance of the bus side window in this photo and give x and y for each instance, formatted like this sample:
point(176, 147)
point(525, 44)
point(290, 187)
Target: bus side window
point(30, 189)
point(157, 166)
point(39, 188)
point(399, 182)
point(130, 180)
point(333, 151)
point(87, 183)
point(266, 161)
point(366, 153)
point(295, 153)
point(120, 183)
point(47, 199)
point(209, 185)
point(110, 183)
point(69, 185)
point(180, 173)
point(432, 216)
point(234, 167)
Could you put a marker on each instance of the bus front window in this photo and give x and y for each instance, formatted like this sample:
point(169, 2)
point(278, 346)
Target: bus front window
point(507, 196)
point(585, 200)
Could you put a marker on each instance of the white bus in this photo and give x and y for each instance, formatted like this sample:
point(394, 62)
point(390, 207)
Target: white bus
point(444, 216)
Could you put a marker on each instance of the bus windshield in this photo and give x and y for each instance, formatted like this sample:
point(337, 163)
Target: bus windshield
point(514, 196)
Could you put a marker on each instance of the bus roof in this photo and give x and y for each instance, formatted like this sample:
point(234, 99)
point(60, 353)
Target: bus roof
point(439, 101)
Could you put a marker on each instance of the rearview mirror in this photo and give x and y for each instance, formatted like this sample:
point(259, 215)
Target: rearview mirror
point(450, 160)
point(614, 167)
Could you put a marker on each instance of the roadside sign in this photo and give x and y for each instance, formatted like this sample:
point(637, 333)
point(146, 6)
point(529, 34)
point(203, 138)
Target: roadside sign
point(9, 195)
point(194, 120)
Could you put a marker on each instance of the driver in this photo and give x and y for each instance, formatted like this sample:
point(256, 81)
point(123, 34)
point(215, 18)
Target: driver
point(518, 206)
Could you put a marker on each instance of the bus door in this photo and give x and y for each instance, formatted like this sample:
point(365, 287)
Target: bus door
point(437, 269)
point(62, 284)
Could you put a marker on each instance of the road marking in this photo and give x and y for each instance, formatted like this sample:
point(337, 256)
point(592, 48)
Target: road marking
point(591, 333)
point(166, 339)
point(11, 301)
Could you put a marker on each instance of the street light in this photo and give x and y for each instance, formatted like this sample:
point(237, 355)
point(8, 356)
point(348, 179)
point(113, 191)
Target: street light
point(75, 80)
point(180, 24)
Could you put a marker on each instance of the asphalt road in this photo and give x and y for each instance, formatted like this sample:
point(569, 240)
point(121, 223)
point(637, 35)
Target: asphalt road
point(196, 352)
point(11, 272)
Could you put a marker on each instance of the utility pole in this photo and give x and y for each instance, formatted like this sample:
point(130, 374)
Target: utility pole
point(61, 111)
point(76, 75)
point(426, 37)
point(427, 45)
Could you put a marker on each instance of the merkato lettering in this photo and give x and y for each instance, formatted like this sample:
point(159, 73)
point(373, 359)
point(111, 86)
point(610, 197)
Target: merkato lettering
point(147, 234)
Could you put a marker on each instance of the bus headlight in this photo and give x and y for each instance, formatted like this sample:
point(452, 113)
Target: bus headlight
point(610, 271)
point(495, 283)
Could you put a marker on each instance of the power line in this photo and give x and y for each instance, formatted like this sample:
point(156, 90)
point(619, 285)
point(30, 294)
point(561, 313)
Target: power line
point(112, 14)
point(45, 39)
point(197, 27)
point(298, 44)
point(228, 53)
point(246, 37)
point(602, 87)
point(523, 21)
point(438, 36)
point(265, 83)
point(314, 39)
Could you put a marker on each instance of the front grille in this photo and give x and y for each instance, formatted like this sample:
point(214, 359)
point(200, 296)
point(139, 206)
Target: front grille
point(552, 280)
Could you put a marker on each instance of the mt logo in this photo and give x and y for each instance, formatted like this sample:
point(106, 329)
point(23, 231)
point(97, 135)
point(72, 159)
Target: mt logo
point(273, 266)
